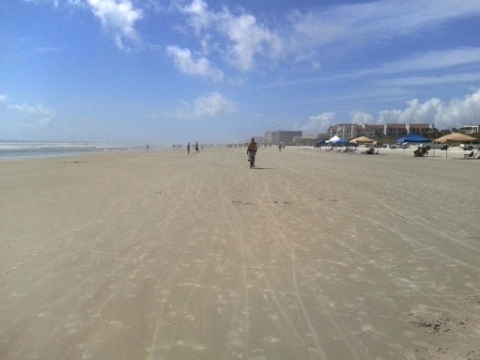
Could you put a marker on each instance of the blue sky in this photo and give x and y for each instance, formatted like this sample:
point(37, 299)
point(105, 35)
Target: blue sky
point(163, 72)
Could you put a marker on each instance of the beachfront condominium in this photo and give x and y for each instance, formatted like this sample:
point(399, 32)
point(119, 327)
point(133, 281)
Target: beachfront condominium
point(470, 129)
point(281, 136)
point(351, 131)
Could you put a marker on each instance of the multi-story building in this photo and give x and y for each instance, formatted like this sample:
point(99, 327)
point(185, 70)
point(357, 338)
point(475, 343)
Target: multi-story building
point(395, 130)
point(281, 136)
point(423, 129)
point(304, 140)
point(350, 131)
point(469, 129)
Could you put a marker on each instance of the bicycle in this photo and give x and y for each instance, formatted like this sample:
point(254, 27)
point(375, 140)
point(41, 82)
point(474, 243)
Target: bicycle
point(251, 159)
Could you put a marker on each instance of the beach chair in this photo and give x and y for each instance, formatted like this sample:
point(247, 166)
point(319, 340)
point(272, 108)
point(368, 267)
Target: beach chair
point(370, 151)
point(469, 155)
point(420, 152)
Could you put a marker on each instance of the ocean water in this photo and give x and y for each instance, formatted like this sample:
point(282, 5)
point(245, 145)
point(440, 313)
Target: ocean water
point(32, 149)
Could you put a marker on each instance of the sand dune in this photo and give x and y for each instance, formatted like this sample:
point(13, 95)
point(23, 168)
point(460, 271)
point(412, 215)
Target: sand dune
point(313, 255)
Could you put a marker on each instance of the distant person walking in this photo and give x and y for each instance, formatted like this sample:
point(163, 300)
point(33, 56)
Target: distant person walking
point(252, 151)
point(188, 148)
point(280, 146)
point(196, 148)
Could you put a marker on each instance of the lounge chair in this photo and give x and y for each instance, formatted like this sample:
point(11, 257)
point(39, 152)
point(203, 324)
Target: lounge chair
point(469, 155)
point(370, 151)
point(420, 152)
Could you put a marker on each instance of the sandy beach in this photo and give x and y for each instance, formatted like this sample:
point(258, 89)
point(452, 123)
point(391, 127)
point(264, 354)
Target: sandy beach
point(312, 255)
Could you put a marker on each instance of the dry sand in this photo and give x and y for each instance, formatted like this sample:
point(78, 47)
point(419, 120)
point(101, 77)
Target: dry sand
point(313, 255)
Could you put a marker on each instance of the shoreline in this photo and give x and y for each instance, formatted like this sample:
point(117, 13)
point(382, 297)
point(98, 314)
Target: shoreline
point(452, 153)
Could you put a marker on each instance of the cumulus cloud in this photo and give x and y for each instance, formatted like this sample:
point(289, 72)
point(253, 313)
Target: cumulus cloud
point(461, 111)
point(184, 61)
point(317, 123)
point(416, 112)
point(118, 18)
point(241, 37)
point(208, 106)
point(358, 117)
point(444, 115)
point(248, 39)
point(456, 113)
point(200, 17)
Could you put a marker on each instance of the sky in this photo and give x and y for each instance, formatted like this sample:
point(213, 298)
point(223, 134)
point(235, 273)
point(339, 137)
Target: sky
point(176, 71)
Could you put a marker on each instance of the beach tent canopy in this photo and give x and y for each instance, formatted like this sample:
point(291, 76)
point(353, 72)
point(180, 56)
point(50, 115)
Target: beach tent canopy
point(455, 137)
point(336, 140)
point(320, 142)
point(413, 138)
point(333, 139)
point(362, 139)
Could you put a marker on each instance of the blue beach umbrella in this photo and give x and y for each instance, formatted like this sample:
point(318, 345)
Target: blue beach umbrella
point(336, 140)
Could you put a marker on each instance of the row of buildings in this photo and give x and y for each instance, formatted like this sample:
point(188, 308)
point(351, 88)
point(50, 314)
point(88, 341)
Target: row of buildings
point(351, 131)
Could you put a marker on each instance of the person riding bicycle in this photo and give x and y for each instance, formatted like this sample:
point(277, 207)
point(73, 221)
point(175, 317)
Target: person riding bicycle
point(251, 151)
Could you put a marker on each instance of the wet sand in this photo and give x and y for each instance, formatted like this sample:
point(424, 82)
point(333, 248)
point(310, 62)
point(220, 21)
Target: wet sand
point(312, 255)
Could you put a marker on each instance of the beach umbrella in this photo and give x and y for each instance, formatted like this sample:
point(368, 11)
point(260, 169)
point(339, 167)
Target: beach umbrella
point(454, 137)
point(333, 139)
point(362, 139)
point(336, 140)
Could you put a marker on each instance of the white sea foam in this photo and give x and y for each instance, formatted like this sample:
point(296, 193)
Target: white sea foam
point(32, 149)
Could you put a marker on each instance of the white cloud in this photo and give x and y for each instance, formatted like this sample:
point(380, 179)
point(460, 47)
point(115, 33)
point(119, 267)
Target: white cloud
point(55, 3)
point(415, 112)
point(358, 117)
point(248, 39)
point(417, 69)
point(455, 113)
point(25, 115)
point(207, 106)
point(118, 17)
point(461, 111)
point(375, 21)
point(185, 62)
point(433, 60)
point(241, 38)
point(317, 123)
point(430, 80)
point(200, 17)
point(32, 109)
